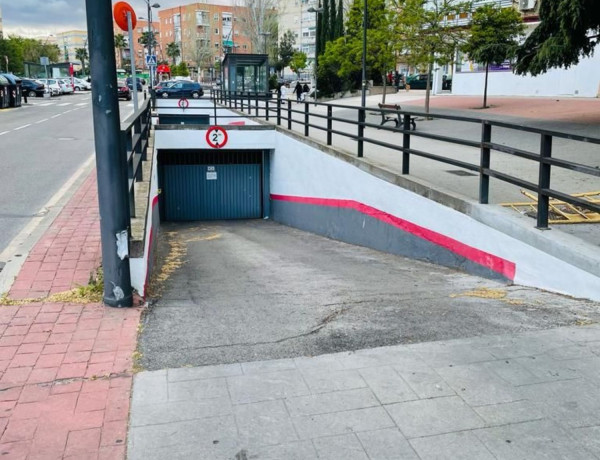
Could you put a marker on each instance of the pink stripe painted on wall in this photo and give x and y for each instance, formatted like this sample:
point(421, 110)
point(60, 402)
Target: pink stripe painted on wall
point(499, 265)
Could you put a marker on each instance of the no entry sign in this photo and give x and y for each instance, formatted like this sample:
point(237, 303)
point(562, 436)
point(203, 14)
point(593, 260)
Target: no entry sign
point(216, 137)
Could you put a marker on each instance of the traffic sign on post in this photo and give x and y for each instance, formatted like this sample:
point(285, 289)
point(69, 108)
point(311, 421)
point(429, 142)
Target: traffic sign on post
point(151, 60)
point(216, 137)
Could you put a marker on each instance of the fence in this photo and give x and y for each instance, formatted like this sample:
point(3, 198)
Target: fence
point(265, 107)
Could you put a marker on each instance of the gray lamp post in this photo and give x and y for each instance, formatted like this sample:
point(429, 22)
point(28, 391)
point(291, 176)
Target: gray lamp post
point(317, 11)
point(151, 38)
point(363, 95)
point(265, 35)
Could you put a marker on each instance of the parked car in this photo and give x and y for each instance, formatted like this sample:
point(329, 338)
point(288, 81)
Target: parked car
point(66, 87)
point(418, 81)
point(52, 85)
point(164, 84)
point(138, 81)
point(82, 85)
point(123, 90)
point(181, 89)
point(32, 88)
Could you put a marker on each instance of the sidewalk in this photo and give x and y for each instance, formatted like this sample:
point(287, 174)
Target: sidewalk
point(524, 396)
point(66, 369)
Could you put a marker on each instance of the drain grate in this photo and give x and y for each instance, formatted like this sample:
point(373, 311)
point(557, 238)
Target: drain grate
point(460, 172)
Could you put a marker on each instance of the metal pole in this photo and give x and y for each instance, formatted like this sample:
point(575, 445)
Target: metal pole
point(132, 58)
point(316, 52)
point(363, 98)
point(150, 42)
point(111, 164)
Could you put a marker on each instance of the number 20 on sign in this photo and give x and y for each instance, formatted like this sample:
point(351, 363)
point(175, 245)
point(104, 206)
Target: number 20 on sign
point(216, 137)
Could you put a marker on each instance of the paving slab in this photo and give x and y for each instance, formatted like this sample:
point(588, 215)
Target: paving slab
point(479, 413)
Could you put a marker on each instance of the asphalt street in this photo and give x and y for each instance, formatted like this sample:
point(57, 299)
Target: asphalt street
point(241, 291)
point(42, 144)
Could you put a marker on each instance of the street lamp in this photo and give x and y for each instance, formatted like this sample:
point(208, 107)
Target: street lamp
point(317, 11)
point(265, 35)
point(363, 96)
point(150, 38)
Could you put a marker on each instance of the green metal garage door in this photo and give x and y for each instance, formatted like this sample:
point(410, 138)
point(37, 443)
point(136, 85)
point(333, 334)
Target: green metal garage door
point(209, 185)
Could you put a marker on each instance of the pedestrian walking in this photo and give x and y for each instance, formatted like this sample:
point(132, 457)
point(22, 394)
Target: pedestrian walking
point(283, 92)
point(298, 92)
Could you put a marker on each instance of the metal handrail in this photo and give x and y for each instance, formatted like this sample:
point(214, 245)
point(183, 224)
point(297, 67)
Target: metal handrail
point(135, 131)
point(543, 157)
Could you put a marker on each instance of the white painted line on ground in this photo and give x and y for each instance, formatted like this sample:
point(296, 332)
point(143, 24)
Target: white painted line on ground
point(46, 104)
point(26, 239)
point(42, 120)
point(63, 104)
point(57, 115)
point(3, 133)
point(82, 103)
point(21, 127)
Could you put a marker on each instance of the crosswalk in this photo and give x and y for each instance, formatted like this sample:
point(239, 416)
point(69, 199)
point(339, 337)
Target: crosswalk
point(55, 103)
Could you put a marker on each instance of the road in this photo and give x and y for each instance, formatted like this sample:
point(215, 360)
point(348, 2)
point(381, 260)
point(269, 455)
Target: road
point(42, 145)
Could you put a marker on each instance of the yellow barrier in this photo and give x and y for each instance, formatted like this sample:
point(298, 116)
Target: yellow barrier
point(560, 212)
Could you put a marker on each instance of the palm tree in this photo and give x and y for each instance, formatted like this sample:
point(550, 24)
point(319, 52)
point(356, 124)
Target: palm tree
point(82, 55)
point(173, 51)
point(120, 44)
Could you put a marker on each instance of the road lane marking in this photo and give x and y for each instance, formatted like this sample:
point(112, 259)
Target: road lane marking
point(57, 115)
point(21, 127)
point(3, 133)
point(82, 103)
point(41, 121)
point(46, 104)
point(63, 104)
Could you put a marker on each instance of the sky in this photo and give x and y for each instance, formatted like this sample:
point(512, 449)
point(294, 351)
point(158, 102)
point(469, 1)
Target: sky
point(33, 18)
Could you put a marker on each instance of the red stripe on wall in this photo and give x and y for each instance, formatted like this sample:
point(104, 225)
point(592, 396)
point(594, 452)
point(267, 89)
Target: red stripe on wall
point(485, 259)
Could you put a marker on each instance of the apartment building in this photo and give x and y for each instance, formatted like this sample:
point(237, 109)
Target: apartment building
point(294, 16)
point(204, 32)
point(69, 41)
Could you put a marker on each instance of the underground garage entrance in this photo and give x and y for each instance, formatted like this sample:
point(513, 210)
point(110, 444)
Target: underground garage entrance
point(213, 184)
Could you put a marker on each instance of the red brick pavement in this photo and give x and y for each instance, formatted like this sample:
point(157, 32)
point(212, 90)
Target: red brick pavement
point(68, 252)
point(65, 370)
point(569, 109)
point(66, 373)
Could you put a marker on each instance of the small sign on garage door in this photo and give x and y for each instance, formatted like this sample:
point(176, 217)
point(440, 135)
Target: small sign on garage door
point(211, 174)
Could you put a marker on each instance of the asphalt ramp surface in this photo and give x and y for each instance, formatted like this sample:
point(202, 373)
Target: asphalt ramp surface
point(239, 291)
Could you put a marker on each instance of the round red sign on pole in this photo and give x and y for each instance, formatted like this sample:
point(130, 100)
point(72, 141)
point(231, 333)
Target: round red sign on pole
point(120, 11)
point(183, 103)
point(216, 137)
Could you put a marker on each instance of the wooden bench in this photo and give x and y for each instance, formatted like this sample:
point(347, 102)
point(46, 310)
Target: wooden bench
point(396, 118)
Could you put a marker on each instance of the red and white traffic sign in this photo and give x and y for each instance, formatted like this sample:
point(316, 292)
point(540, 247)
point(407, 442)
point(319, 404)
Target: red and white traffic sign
point(216, 137)
point(183, 103)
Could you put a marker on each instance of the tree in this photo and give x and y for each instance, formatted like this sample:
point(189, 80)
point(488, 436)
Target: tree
point(19, 49)
point(423, 33)
point(298, 62)
point(258, 17)
point(568, 31)
point(286, 49)
point(339, 21)
point(120, 45)
point(173, 51)
point(82, 55)
point(345, 54)
point(495, 35)
point(148, 37)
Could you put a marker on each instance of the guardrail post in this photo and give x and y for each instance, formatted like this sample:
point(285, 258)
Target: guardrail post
point(361, 130)
point(306, 118)
point(249, 104)
point(289, 114)
point(267, 107)
point(256, 102)
point(544, 181)
point(406, 144)
point(484, 163)
point(329, 123)
point(279, 110)
point(235, 100)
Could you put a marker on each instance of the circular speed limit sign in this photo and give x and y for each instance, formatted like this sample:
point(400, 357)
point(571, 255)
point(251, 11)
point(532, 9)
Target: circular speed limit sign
point(216, 137)
point(183, 103)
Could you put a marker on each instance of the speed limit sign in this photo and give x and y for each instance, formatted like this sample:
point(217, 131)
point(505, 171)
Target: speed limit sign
point(216, 137)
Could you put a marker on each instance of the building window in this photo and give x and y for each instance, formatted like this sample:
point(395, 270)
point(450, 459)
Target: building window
point(216, 45)
point(216, 31)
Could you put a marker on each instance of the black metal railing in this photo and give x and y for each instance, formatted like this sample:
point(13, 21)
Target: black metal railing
point(264, 106)
point(135, 131)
